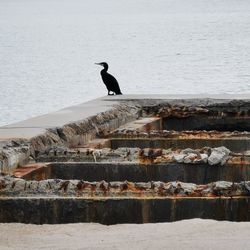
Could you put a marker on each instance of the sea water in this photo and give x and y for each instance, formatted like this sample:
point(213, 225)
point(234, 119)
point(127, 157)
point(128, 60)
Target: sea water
point(48, 49)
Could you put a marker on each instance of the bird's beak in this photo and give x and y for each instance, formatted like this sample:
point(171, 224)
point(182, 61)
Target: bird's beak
point(97, 63)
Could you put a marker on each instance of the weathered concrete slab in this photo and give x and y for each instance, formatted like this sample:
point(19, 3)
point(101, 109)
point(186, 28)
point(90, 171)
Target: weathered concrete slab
point(73, 126)
point(79, 124)
point(37, 125)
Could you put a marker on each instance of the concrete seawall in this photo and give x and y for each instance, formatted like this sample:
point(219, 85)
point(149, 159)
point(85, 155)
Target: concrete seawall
point(81, 123)
point(129, 159)
point(71, 126)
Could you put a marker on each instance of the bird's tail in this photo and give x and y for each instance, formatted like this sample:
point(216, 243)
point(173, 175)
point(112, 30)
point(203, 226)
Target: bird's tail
point(119, 93)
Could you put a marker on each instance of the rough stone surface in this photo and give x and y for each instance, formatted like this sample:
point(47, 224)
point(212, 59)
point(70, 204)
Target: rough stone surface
point(212, 156)
point(17, 152)
point(219, 156)
point(10, 186)
point(187, 134)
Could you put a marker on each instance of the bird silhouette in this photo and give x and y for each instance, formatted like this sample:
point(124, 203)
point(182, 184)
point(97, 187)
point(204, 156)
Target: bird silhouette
point(110, 82)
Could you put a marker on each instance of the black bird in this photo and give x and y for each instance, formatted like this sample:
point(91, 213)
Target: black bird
point(110, 82)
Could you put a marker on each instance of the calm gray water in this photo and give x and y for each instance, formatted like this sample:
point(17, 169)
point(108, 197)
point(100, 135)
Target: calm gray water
point(48, 49)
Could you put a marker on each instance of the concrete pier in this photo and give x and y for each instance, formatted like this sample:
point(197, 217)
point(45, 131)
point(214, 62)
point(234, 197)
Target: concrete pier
point(165, 157)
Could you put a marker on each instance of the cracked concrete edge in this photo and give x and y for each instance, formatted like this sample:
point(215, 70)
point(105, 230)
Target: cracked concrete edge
point(16, 187)
point(79, 124)
point(16, 152)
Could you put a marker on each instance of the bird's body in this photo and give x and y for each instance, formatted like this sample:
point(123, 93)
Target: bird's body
point(110, 82)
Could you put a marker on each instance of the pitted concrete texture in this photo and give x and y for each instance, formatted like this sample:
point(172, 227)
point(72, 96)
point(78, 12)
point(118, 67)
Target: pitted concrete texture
point(15, 187)
point(145, 156)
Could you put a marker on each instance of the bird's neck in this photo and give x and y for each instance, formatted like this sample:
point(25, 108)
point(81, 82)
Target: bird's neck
point(105, 69)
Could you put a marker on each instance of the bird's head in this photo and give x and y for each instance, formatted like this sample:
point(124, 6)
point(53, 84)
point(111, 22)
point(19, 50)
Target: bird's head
point(103, 64)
